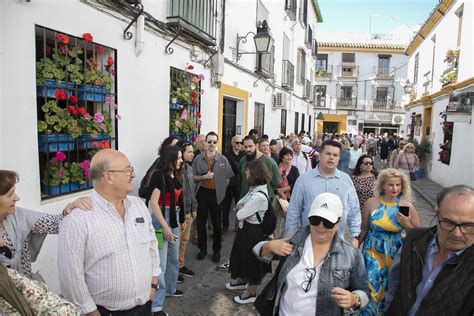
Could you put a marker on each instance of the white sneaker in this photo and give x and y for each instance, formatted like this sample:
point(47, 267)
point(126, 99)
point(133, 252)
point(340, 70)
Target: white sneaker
point(245, 298)
point(236, 285)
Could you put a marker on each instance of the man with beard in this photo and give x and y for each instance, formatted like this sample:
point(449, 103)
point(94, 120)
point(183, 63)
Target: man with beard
point(252, 153)
point(324, 178)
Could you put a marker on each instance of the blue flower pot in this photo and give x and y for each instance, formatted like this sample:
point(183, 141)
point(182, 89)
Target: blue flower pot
point(53, 190)
point(49, 87)
point(85, 141)
point(420, 173)
point(55, 142)
point(91, 93)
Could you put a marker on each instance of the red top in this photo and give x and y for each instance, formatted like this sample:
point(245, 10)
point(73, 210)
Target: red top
point(177, 193)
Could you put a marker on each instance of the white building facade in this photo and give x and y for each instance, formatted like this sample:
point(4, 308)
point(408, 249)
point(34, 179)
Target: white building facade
point(441, 71)
point(178, 73)
point(359, 85)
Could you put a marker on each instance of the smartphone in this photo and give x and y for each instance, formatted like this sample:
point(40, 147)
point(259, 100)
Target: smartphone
point(405, 210)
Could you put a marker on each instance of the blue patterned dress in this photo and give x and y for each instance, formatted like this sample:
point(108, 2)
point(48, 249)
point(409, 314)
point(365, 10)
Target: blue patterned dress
point(380, 246)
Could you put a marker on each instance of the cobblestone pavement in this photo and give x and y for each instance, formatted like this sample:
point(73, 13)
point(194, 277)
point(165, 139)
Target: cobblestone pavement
point(205, 294)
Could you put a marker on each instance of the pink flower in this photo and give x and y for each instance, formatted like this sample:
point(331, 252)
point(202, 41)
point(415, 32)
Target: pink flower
point(177, 123)
point(60, 172)
point(195, 80)
point(60, 156)
point(201, 77)
point(184, 114)
point(102, 126)
point(98, 117)
point(87, 117)
point(118, 116)
point(109, 100)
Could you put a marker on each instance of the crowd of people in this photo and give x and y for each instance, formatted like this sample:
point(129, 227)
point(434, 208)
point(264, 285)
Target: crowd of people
point(351, 242)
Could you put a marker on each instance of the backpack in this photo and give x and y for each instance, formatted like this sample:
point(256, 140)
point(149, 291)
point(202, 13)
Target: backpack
point(371, 143)
point(144, 190)
point(269, 221)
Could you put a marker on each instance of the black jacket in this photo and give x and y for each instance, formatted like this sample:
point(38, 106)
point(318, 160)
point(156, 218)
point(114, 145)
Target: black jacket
point(234, 164)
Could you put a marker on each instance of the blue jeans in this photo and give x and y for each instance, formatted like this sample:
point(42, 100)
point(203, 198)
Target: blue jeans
point(168, 264)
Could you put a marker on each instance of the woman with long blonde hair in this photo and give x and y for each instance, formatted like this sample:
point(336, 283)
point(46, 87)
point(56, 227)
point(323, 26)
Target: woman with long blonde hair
point(382, 224)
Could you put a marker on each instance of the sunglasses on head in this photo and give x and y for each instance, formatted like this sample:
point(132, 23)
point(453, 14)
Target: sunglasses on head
point(316, 220)
point(212, 142)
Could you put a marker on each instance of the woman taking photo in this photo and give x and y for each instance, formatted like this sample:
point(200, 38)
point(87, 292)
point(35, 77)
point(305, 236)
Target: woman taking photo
point(244, 267)
point(382, 224)
point(165, 202)
point(364, 179)
point(319, 273)
point(288, 172)
point(22, 231)
point(407, 161)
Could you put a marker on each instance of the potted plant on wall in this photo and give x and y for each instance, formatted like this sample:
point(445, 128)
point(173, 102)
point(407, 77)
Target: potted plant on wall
point(97, 83)
point(79, 174)
point(56, 175)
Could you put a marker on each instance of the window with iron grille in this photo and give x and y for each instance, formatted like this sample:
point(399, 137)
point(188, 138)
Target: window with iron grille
point(259, 117)
point(284, 113)
point(348, 57)
point(296, 122)
point(309, 124)
point(76, 108)
point(322, 62)
point(302, 121)
point(301, 66)
point(303, 11)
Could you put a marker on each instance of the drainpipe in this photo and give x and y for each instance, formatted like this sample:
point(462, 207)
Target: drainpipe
point(222, 35)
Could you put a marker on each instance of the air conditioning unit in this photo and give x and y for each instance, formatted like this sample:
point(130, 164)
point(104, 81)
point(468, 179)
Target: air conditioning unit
point(280, 100)
point(398, 119)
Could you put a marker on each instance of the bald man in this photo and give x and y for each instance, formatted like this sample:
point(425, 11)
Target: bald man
point(108, 258)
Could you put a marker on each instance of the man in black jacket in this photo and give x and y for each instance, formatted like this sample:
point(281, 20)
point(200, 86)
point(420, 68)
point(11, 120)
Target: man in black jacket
point(433, 273)
point(233, 155)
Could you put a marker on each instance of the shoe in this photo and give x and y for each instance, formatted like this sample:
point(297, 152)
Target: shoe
point(224, 266)
point(176, 293)
point(180, 279)
point(245, 298)
point(201, 255)
point(216, 257)
point(236, 285)
point(160, 313)
point(186, 272)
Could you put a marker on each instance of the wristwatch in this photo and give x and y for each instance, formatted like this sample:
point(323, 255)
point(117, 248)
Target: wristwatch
point(155, 286)
point(357, 303)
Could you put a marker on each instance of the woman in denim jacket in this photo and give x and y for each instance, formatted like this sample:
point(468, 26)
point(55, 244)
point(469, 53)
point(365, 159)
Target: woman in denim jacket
point(323, 274)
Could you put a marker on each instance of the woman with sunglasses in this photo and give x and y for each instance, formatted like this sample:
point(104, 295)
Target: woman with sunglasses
point(318, 271)
point(382, 225)
point(364, 179)
point(288, 172)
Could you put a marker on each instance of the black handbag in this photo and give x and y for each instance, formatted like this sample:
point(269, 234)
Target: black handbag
point(265, 302)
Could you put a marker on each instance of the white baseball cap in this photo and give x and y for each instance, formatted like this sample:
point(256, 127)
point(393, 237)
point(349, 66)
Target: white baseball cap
point(326, 205)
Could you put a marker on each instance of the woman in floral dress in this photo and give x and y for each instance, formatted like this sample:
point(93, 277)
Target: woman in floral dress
point(364, 179)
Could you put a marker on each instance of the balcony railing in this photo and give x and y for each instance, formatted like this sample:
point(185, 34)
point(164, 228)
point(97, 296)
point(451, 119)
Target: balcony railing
point(346, 103)
point(314, 48)
point(307, 89)
point(319, 102)
point(323, 73)
point(288, 75)
point(308, 36)
point(384, 72)
point(196, 18)
point(382, 104)
point(347, 71)
point(290, 9)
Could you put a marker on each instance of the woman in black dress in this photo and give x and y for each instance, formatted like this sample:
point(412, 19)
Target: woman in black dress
point(384, 147)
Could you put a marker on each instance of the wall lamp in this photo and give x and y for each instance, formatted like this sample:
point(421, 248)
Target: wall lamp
point(408, 88)
point(263, 40)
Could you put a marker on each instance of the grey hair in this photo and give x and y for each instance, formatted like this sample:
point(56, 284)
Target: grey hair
point(457, 190)
point(99, 169)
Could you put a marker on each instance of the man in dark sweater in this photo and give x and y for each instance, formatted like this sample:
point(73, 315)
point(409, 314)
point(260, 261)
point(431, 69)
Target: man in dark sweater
point(233, 155)
point(433, 272)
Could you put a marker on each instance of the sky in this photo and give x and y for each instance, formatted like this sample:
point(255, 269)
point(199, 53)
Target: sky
point(384, 15)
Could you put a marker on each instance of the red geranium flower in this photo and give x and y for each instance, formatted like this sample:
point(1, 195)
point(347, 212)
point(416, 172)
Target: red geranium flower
point(100, 50)
point(73, 99)
point(105, 144)
point(95, 144)
point(87, 37)
point(72, 110)
point(62, 38)
point(110, 61)
point(193, 102)
point(194, 94)
point(190, 67)
point(81, 111)
point(60, 94)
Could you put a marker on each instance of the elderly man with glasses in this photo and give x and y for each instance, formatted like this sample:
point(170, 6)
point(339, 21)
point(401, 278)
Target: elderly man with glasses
point(319, 273)
point(433, 272)
point(108, 258)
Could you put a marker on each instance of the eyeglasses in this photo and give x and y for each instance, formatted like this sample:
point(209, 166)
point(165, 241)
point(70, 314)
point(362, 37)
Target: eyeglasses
point(316, 220)
point(366, 163)
point(310, 274)
point(239, 143)
point(212, 142)
point(447, 225)
point(129, 170)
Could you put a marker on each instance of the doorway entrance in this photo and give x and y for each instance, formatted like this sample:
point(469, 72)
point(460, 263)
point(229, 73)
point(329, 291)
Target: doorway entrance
point(229, 123)
point(330, 127)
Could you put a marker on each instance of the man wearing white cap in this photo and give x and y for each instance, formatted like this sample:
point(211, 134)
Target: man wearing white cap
point(318, 270)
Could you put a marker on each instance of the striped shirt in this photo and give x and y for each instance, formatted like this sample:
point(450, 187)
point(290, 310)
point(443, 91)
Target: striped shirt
point(106, 260)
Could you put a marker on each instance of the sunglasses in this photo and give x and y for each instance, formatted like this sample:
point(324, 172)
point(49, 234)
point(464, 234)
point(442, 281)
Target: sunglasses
point(239, 143)
point(366, 163)
point(316, 220)
point(212, 142)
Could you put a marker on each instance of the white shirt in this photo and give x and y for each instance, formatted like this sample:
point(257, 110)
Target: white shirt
point(254, 202)
point(294, 300)
point(299, 161)
point(106, 260)
point(354, 156)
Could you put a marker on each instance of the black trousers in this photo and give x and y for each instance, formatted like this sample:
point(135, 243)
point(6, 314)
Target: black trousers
point(232, 192)
point(142, 310)
point(207, 204)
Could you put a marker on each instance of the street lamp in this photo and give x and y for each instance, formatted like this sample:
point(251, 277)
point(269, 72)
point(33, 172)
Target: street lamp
point(263, 40)
point(408, 87)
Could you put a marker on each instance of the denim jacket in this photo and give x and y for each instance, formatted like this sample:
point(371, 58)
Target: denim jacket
point(343, 267)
